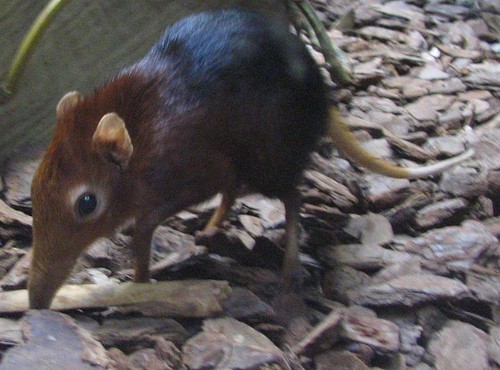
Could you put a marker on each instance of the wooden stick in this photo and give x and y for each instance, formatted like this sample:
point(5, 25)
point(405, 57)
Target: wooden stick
point(187, 298)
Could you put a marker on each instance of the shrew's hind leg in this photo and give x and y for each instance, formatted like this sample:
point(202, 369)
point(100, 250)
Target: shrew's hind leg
point(228, 197)
point(291, 265)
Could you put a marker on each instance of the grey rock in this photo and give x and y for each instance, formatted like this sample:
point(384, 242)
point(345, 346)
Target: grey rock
point(229, 344)
point(383, 34)
point(383, 192)
point(486, 286)
point(133, 332)
point(465, 181)
point(54, 341)
point(362, 257)
point(448, 86)
point(381, 335)
point(448, 146)
point(164, 356)
point(438, 213)
point(440, 247)
point(494, 345)
point(431, 72)
point(340, 280)
point(431, 319)
point(370, 229)
point(339, 360)
point(409, 290)
point(10, 332)
point(340, 194)
point(460, 346)
point(397, 269)
point(369, 103)
point(242, 304)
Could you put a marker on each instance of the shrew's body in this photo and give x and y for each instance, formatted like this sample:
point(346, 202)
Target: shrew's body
point(224, 99)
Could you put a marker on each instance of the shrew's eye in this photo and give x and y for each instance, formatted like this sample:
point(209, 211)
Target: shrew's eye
point(86, 205)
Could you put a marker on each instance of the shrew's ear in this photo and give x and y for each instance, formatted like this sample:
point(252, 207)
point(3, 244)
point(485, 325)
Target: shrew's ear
point(68, 101)
point(112, 141)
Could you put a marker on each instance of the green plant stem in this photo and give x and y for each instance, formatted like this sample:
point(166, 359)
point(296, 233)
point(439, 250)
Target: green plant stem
point(332, 55)
point(29, 41)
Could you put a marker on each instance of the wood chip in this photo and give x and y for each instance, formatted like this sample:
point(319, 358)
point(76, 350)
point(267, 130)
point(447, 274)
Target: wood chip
point(230, 344)
point(169, 298)
point(409, 290)
point(54, 341)
point(381, 335)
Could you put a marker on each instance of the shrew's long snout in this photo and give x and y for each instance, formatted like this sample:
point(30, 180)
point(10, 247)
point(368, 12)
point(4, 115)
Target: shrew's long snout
point(45, 279)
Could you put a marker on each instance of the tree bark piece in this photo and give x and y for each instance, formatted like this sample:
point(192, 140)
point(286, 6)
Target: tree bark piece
point(460, 346)
point(188, 298)
point(230, 344)
point(54, 341)
point(409, 290)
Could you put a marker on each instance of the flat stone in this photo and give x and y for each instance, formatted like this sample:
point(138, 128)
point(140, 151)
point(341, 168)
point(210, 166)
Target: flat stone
point(494, 344)
point(483, 76)
point(362, 257)
point(457, 52)
point(475, 94)
point(410, 150)
point(133, 332)
point(369, 103)
point(487, 145)
point(409, 290)
point(400, 82)
point(253, 225)
point(451, 244)
point(410, 335)
point(243, 304)
point(368, 70)
point(230, 344)
point(10, 332)
point(465, 181)
point(459, 346)
point(486, 286)
point(446, 10)
point(54, 341)
point(164, 356)
point(381, 335)
point(270, 211)
point(430, 72)
point(13, 223)
point(455, 116)
point(380, 148)
point(382, 191)
point(480, 106)
point(382, 33)
point(340, 194)
point(17, 277)
point(370, 229)
point(340, 280)
point(395, 124)
point(438, 213)
point(9, 256)
point(431, 319)
point(422, 109)
point(339, 360)
point(448, 86)
point(395, 270)
point(400, 9)
point(448, 146)
point(18, 173)
point(414, 91)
